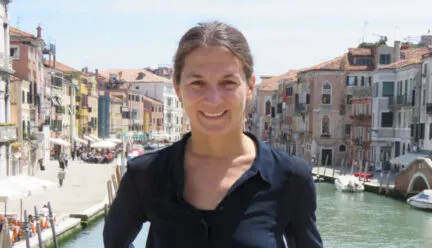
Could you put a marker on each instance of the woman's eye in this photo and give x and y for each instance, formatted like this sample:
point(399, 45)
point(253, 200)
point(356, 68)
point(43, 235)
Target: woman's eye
point(197, 83)
point(230, 83)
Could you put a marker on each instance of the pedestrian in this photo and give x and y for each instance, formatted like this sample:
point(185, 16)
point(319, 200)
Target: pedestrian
point(73, 154)
point(218, 186)
point(61, 161)
point(61, 176)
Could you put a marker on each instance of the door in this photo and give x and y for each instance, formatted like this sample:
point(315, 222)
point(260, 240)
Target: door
point(327, 154)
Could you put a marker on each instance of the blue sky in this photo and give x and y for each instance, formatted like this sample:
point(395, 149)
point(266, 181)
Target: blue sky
point(283, 34)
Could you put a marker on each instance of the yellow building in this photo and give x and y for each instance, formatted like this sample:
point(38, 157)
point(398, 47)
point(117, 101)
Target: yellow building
point(92, 105)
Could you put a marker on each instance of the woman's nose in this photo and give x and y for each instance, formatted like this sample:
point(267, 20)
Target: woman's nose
point(213, 95)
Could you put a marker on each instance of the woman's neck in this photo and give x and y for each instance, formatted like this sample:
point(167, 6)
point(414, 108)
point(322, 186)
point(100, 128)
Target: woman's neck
point(230, 145)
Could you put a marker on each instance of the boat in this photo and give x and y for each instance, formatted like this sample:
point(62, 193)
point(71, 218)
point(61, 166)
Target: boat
point(348, 184)
point(422, 200)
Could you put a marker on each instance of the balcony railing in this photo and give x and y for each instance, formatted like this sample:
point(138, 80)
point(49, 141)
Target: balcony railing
point(8, 133)
point(361, 117)
point(399, 101)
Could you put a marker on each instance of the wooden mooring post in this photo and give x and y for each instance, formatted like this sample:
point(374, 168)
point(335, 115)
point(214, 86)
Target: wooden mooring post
point(38, 227)
point(388, 183)
point(326, 164)
point(26, 229)
point(110, 195)
point(380, 183)
point(51, 220)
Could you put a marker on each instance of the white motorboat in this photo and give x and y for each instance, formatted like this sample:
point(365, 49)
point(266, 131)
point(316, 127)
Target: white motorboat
point(422, 200)
point(348, 184)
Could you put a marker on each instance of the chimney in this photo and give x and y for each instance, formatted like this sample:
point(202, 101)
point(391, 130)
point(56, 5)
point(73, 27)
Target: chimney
point(396, 51)
point(39, 32)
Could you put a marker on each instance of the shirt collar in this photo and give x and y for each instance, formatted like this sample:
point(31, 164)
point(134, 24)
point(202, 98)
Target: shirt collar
point(262, 164)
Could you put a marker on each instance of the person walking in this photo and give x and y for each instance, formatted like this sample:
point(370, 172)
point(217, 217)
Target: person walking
point(61, 176)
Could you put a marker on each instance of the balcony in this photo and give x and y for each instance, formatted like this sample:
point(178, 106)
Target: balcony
point(362, 92)
point(301, 108)
point(399, 101)
point(361, 117)
point(8, 133)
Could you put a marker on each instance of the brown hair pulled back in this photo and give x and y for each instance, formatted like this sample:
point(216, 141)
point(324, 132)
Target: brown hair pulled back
point(213, 34)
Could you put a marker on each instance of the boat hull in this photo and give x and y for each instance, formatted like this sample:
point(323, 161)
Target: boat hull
point(420, 204)
point(347, 184)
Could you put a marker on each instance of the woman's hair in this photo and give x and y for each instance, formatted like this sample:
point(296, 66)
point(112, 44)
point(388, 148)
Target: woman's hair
point(213, 34)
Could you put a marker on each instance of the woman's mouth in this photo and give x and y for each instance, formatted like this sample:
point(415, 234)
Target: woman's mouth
point(213, 115)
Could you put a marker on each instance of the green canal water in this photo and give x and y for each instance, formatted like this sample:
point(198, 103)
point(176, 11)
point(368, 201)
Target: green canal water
point(344, 220)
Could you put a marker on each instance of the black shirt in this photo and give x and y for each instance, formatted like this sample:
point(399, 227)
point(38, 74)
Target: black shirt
point(274, 199)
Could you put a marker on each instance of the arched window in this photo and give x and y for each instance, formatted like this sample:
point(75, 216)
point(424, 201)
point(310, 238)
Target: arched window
point(326, 93)
point(268, 108)
point(325, 125)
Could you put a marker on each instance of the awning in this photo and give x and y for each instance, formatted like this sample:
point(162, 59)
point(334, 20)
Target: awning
point(59, 141)
point(117, 141)
point(103, 144)
point(60, 101)
point(94, 137)
point(408, 158)
point(54, 102)
point(88, 138)
point(81, 140)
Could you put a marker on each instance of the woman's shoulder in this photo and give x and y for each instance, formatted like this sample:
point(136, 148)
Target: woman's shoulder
point(292, 165)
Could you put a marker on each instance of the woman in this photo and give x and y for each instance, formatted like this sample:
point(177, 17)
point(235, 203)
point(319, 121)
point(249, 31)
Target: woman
point(217, 186)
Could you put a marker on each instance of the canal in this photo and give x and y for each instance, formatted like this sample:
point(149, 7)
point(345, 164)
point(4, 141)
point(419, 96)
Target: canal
point(344, 220)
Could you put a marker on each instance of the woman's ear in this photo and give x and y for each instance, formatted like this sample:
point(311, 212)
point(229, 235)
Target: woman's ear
point(251, 87)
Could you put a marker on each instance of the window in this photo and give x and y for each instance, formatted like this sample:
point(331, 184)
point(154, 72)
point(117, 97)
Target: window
point(325, 125)
point(388, 89)
point(169, 101)
point(385, 59)
point(57, 81)
point(430, 131)
point(326, 93)
point(267, 108)
point(349, 99)
point(347, 129)
point(386, 119)
point(375, 89)
point(351, 80)
point(424, 97)
point(342, 148)
point(14, 52)
point(22, 96)
point(279, 108)
point(289, 91)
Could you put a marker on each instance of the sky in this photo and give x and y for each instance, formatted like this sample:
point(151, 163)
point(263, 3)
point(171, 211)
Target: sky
point(282, 34)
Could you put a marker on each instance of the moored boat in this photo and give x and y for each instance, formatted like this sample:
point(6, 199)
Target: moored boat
point(348, 184)
point(422, 200)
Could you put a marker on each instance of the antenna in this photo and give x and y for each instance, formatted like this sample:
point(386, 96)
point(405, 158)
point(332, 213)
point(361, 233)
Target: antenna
point(18, 21)
point(364, 30)
point(395, 32)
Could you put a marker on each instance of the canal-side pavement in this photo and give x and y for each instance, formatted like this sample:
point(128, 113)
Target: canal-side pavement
point(84, 191)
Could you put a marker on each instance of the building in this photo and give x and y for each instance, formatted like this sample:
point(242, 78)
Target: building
point(159, 88)
point(62, 82)
point(8, 131)
point(26, 52)
point(397, 88)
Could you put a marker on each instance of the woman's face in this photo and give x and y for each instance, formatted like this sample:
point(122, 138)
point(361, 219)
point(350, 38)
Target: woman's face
point(214, 90)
